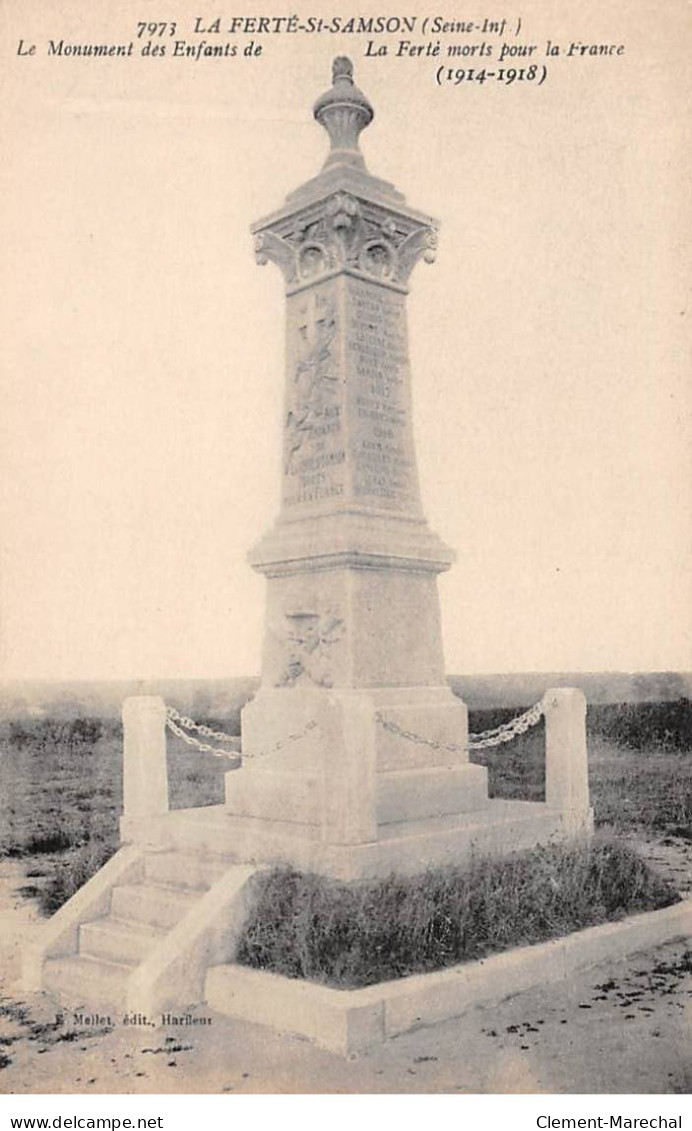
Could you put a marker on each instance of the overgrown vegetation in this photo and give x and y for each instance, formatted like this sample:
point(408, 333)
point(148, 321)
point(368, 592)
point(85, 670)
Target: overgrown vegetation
point(349, 935)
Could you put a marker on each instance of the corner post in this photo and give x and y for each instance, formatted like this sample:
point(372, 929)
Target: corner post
point(145, 775)
point(567, 770)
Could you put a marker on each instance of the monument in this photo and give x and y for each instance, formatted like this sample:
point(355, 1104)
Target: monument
point(354, 739)
point(355, 755)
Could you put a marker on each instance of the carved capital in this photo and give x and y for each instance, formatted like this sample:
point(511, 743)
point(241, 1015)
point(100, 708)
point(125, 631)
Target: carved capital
point(344, 233)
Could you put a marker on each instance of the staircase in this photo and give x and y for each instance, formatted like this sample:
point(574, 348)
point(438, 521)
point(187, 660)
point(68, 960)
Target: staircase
point(162, 926)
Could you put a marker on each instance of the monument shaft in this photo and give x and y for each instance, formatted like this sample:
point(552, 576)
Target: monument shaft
point(348, 432)
point(352, 598)
point(352, 654)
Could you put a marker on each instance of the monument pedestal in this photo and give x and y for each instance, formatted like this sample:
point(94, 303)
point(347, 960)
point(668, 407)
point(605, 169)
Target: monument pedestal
point(342, 772)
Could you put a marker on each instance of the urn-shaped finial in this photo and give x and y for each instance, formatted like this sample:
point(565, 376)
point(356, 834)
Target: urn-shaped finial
point(343, 111)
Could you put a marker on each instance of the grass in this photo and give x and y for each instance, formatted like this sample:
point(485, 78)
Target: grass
point(60, 791)
point(61, 798)
point(71, 871)
point(349, 935)
point(640, 765)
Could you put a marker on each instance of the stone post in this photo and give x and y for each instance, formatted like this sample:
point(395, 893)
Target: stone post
point(567, 772)
point(145, 775)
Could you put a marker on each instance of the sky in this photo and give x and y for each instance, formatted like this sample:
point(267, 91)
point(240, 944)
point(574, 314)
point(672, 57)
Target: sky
point(142, 347)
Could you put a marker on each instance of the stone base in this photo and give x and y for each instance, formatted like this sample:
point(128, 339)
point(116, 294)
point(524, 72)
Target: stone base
point(344, 765)
point(140, 934)
point(409, 848)
point(410, 795)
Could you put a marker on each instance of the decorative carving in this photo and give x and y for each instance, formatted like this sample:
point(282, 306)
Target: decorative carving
point(308, 639)
point(269, 246)
point(342, 67)
point(368, 236)
point(315, 383)
point(343, 210)
point(344, 111)
point(344, 233)
point(377, 258)
point(420, 244)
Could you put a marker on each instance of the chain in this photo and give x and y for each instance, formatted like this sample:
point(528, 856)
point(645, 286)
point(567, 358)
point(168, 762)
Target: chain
point(175, 722)
point(287, 741)
point(495, 737)
point(190, 724)
point(433, 743)
point(507, 732)
point(203, 746)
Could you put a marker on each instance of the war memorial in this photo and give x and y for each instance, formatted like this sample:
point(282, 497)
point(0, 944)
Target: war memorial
point(353, 761)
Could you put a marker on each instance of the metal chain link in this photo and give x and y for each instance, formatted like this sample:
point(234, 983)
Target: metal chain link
point(175, 722)
point(287, 741)
point(488, 738)
point(495, 737)
point(190, 724)
point(510, 730)
point(203, 746)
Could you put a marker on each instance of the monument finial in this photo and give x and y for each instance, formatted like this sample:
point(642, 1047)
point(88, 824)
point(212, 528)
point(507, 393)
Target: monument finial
point(344, 111)
point(342, 67)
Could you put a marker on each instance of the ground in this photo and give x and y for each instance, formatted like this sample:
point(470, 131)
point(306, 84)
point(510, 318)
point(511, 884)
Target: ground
point(622, 1027)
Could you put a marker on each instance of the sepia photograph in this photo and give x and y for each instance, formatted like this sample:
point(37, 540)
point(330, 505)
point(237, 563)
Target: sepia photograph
point(346, 551)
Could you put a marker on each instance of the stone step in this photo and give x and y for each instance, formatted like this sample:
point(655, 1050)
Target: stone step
point(184, 869)
point(117, 940)
point(498, 814)
point(155, 904)
point(414, 795)
point(82, 981)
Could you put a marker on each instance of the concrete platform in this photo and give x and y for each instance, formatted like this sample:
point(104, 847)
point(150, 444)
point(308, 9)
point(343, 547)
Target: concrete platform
point(542, 1041)
point(410, 847)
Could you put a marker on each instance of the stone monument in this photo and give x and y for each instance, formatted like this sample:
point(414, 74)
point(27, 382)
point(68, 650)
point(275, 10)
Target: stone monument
point(354, 739)
point(354, 750)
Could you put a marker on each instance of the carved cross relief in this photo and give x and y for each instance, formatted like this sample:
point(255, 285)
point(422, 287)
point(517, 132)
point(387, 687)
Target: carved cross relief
point(314, 378)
